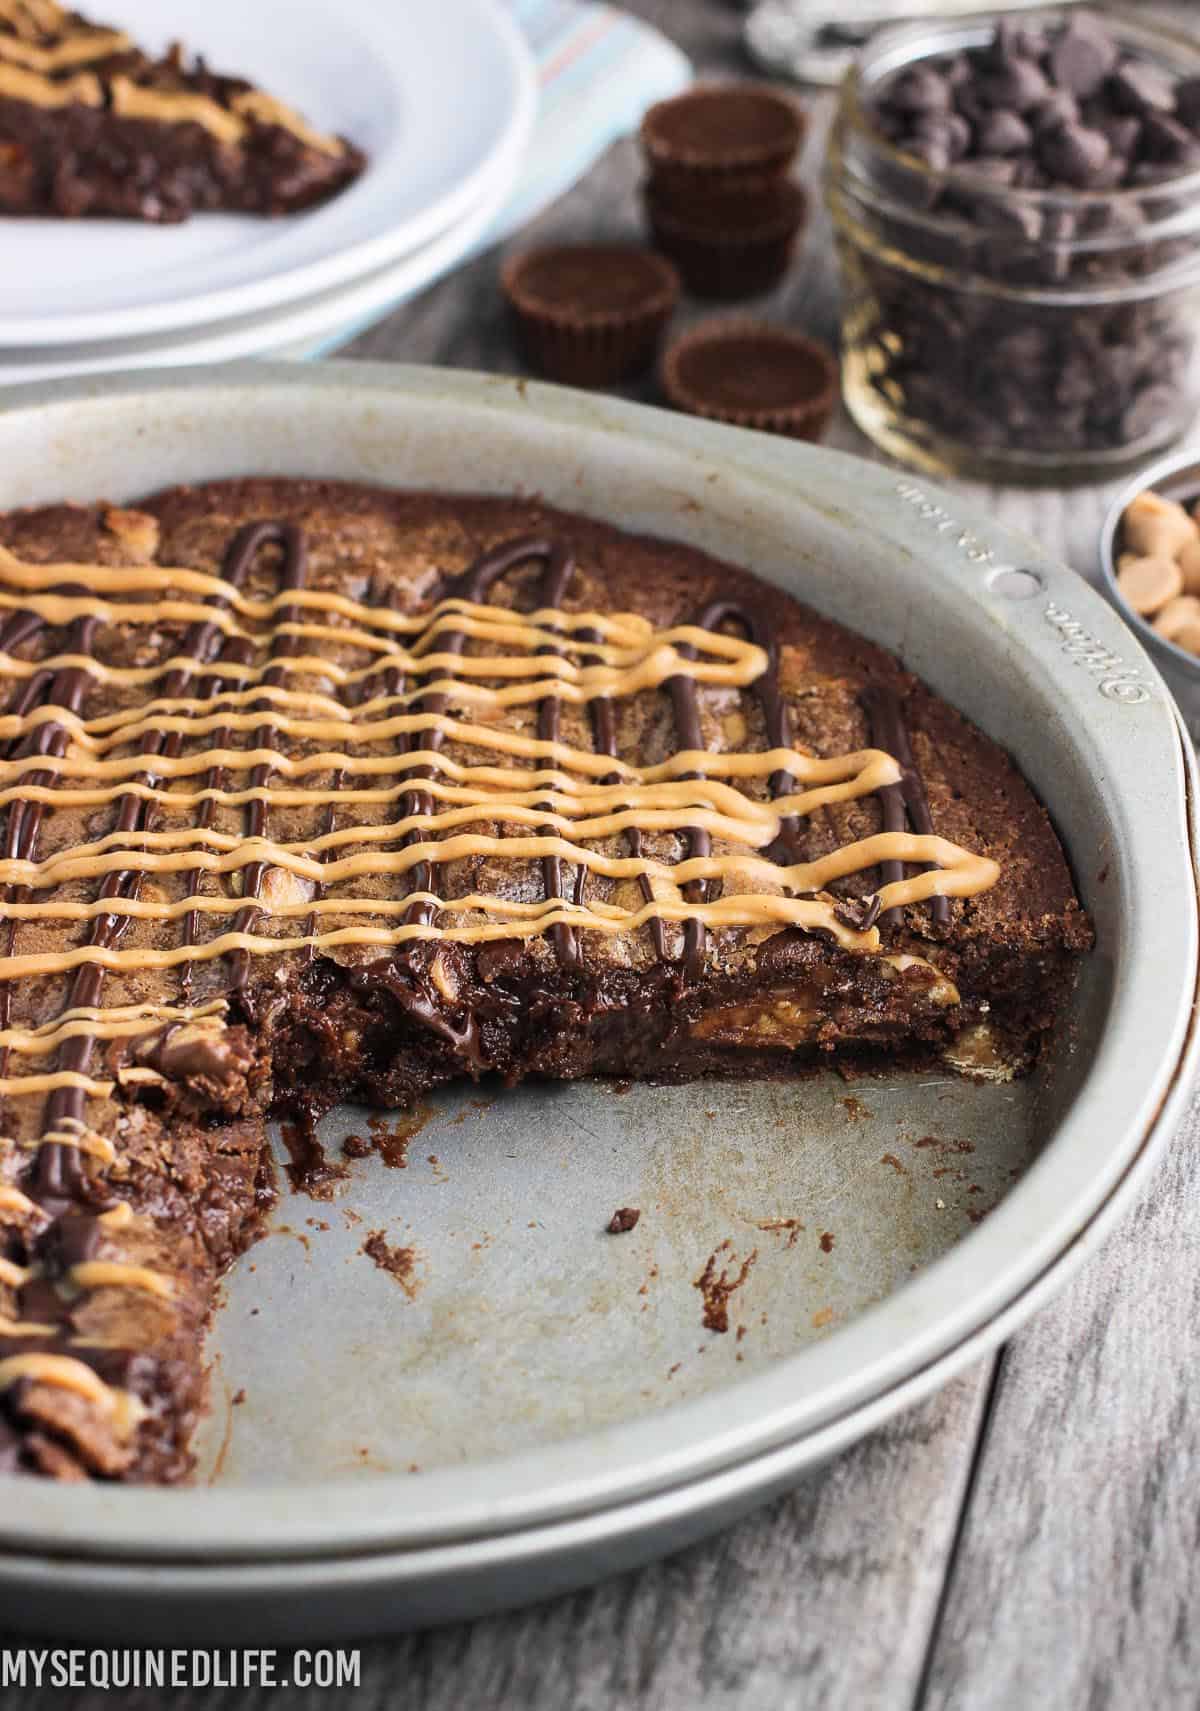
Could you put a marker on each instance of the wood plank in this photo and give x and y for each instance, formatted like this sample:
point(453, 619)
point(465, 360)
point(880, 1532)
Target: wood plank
point(1077, 1579)
point(825, 1598)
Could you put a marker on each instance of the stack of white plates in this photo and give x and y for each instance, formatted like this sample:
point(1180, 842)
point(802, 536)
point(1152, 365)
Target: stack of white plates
point(441, 98)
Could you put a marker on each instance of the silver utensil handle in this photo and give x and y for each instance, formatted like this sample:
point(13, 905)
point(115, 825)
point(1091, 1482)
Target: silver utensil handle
point(816, 44)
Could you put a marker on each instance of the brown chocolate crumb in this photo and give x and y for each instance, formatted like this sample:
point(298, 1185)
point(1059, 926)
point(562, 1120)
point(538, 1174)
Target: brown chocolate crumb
point(309, 1170)
point(855, 1109)
point(400, 1263)
point(859, 916)
point(392, 1139)
point(826, 1241)
point(623, 1220)
point(716, 1287)
point(792, 1227)
point(741, 1332)
point(239, 1396)
point(890, 1158)
point(354, 1146)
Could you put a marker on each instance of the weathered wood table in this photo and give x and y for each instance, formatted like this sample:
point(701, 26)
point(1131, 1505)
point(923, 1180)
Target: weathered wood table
point(1028, 1539)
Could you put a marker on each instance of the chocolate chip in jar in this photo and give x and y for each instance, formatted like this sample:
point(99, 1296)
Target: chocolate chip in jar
point(1036, 177)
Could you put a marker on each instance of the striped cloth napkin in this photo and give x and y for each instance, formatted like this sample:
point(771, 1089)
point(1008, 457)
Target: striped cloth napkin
point(598, 71)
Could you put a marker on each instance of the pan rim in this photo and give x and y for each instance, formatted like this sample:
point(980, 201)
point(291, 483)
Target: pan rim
point(550, 1486)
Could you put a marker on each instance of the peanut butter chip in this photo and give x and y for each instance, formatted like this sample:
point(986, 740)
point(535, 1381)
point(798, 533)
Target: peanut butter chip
point(1188, 637)
point(281, 887)
point(1156, 527)
point(1149, 583)
point(1176, 615)
point(1189, 564)
point(136, 531)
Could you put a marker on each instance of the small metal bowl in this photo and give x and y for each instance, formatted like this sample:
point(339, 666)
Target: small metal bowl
point(1175, 477)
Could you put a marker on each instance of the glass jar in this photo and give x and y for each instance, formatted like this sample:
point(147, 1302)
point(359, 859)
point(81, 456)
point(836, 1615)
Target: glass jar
point(1004, 333)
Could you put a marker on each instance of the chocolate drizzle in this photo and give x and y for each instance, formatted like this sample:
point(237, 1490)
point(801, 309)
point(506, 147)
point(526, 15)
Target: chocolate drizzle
point(604, 737)
point(777, 727)
point(19, 627)
point(247, 544)
point(906, 799)
point(60, 1174)
point(476, 584)
point(237, 651)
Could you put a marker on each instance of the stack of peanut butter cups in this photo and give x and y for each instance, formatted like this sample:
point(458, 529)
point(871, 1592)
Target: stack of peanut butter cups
point(718, 197)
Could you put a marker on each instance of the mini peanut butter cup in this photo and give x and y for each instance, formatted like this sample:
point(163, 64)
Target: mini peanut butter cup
point(590, 314)
point(752, 376)
point(727, 245)
point(718, 135)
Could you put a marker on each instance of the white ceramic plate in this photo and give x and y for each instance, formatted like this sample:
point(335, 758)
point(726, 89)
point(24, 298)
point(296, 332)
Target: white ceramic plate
point(434, 94)
point(294, 324)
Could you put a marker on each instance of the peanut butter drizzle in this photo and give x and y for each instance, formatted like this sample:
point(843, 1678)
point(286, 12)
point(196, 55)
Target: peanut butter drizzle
point(132, 100)
point(228, 124)
point(264, 109)
point(22, 85)
point(119, 1022)
point(84, 48)
point(124, 1410)
point(33, 18)
point(405, 703)
point(109, 1274)
point(27, 49)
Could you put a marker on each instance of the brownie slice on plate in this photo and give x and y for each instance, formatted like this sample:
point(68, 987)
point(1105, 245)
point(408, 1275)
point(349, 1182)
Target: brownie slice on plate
point(313, 792)
point(89, 124)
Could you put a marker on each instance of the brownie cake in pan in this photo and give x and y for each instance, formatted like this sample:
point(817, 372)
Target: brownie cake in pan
point(312, 792)
point(90, 124)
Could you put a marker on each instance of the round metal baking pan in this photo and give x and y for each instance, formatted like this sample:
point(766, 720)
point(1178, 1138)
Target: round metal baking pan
point(592, 1455)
